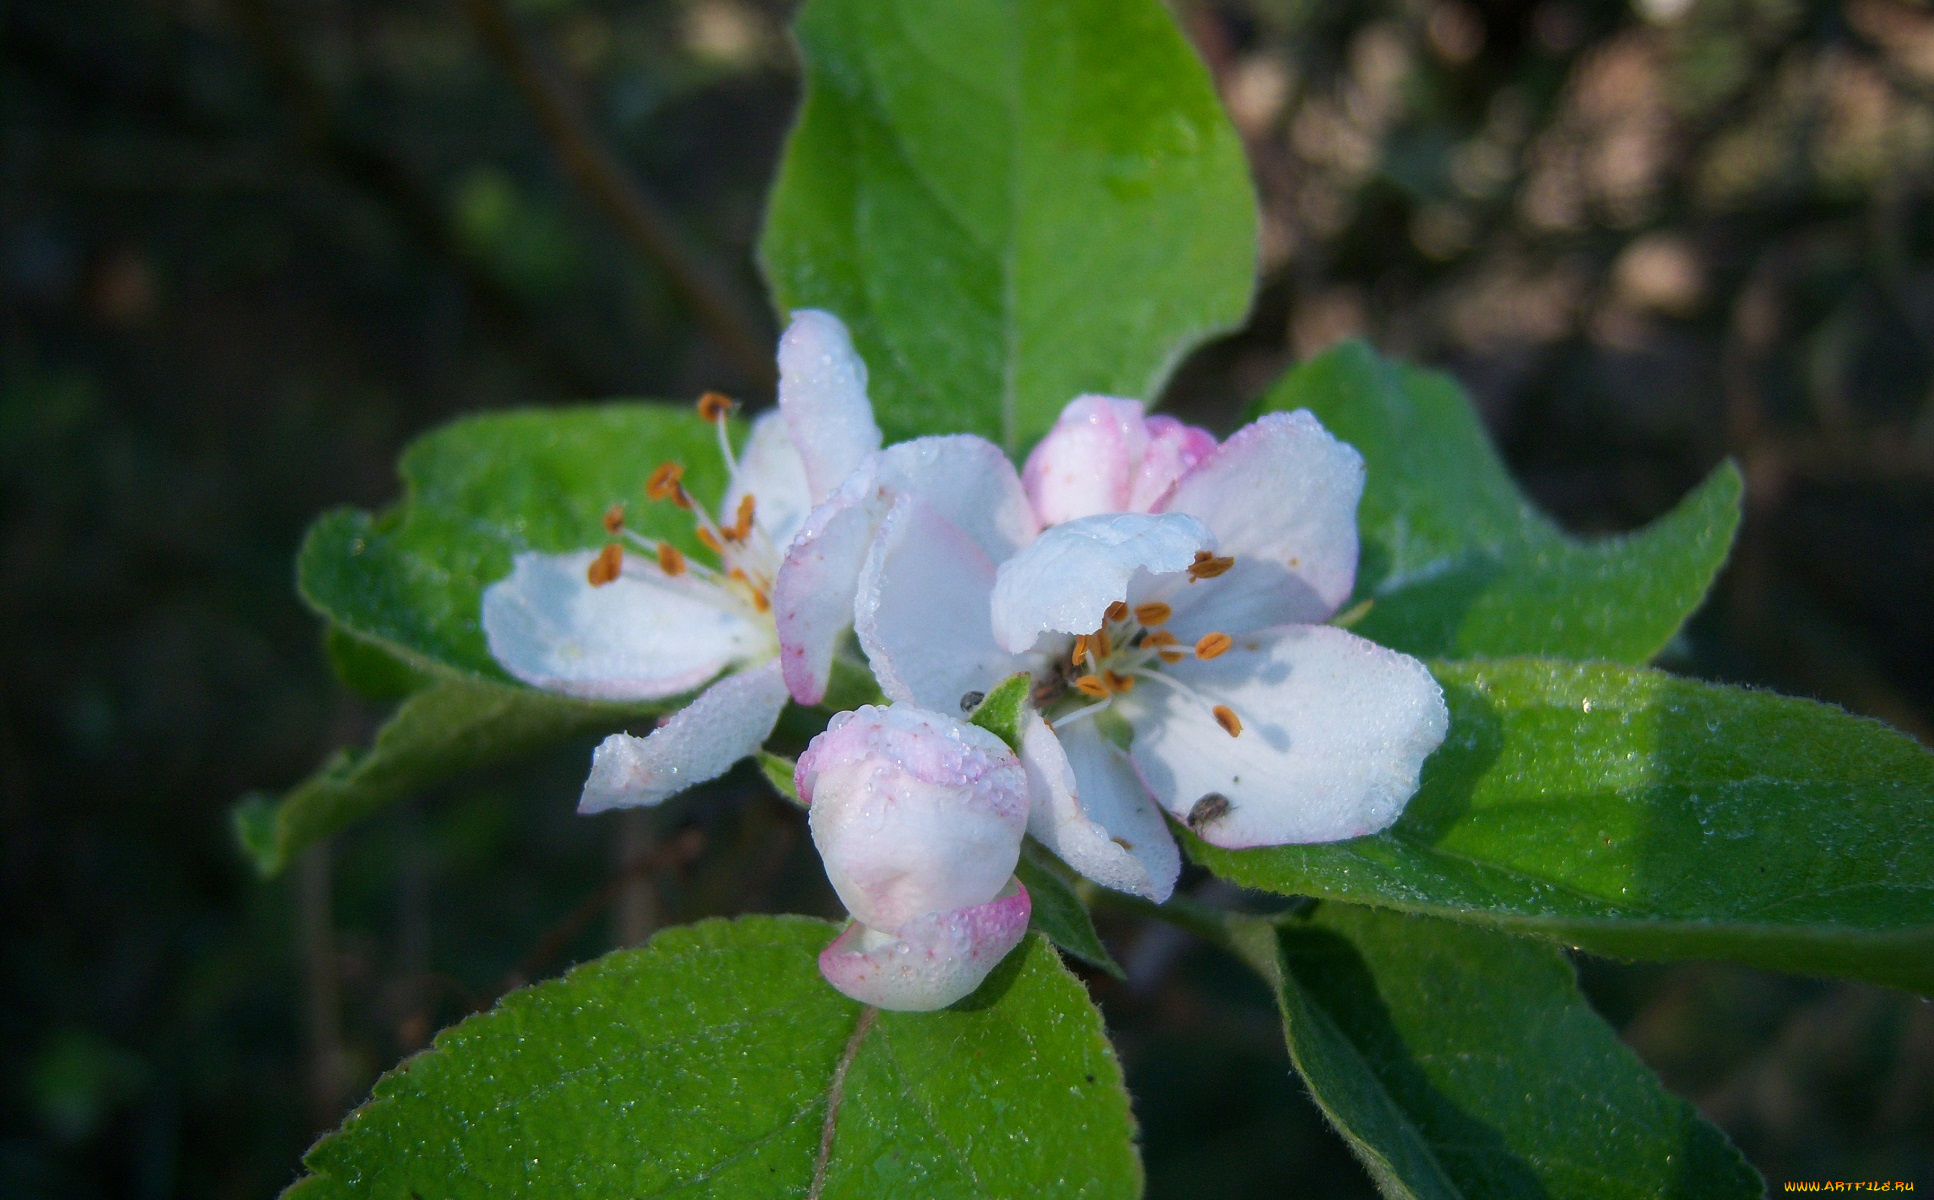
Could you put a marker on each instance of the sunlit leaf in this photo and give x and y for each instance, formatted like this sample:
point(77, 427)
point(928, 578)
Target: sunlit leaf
point(1010, 203)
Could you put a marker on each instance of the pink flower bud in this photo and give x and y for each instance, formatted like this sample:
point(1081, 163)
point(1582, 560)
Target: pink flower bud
point(1103, 455)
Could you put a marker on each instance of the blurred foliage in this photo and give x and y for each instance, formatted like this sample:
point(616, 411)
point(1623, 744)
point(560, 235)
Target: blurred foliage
point(249, 247)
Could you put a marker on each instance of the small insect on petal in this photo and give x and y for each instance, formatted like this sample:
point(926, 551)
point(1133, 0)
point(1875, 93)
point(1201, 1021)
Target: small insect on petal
point(1117, 611)
point(663, 484)
point(1208, 566)
point(969, 701)
point(614, 519)
point(605, 567)
point(1153, 613)
point(715, 406)
point(1213, 645)
point(670, 560)
point(1089, 685)
point(1227, 718)
point(1213, 806)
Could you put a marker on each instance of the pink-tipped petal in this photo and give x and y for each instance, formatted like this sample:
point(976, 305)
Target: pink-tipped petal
point(822, 392)
point(1281, 497)
point(922, 610)
point(913, 812)
point(1334, 733)
point(728, 721)
point(966, 481)
point(1066, 579)
point(639, 637)
point(1086, 804)
point(934, 959)
point(1173, 451)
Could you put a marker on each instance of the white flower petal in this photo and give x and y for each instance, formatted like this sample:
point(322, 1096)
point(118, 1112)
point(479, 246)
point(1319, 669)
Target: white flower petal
point(1069, 576)
point(1335, 730)
point(1086, 804)
point(822, 392)
point(913, 812)
point(922, 610)
point(933, 960)
point(1281, 497)
point(771, 471)
point(639, 637)
point(729, 720)
point(1087, 463)
point(966, 480)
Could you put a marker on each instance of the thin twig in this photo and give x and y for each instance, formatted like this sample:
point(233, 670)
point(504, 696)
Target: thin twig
point(639, 219)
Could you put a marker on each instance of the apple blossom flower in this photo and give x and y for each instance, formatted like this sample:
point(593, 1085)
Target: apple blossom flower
point(641, 620)
point(918, 818)
point(1178, 647)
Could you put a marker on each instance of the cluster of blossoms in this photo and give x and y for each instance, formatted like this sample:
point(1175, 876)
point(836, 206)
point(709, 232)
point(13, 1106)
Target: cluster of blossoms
point(1167, 595)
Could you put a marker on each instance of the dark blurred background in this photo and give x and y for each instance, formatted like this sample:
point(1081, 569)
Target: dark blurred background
point(251, 247)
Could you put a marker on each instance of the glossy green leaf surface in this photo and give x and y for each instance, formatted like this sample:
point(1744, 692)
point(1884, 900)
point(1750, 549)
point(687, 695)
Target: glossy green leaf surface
point(716, 1062)
point(1640, 815)
point(1457, 563)
point(453, 725)
point(480, 490)
point(1462, 1064)
point(1010, 202)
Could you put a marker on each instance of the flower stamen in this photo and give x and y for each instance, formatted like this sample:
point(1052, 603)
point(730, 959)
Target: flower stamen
point(663, 484)
point(1152, 614)
point(1117, 612)
point(614, 519)
point(1208, 566)
point(1213, 645)
point(605, 567)
point(1091, 685)
point(1227, 718)
point(670, 560)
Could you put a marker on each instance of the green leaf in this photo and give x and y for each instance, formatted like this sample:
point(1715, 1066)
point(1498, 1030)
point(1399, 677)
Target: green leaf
point(1001, 710)
point(778, 770)
point(1058, 913)
point(716, 1062)
point(451, 726)
point(1462, 1063)
point(1458, 564)
point(480, 490)
point(1643, 816)
point(1010, 203)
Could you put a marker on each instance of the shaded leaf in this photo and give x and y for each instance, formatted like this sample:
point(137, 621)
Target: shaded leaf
point(1010, 203)
point(1640, 815)
point(451, 726)
point(1458, 1063)
point(1000, 712)
point(716, 1062)
point(1457, 563)
point(1058, 913)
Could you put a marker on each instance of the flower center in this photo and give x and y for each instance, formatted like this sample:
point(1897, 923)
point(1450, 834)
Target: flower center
point(1131, 645)
point(745, 561)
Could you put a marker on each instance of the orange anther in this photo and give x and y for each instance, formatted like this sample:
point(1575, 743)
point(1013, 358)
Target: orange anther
point(710, 542)
point(1080, 649)
point(1212, 645)
point(1208, 566)
point(614, 519)
point(715, 406)
point(1089, 685)
point(1227, 718)
point(1117, 611)
point(670, 561)
point(1153, 613)
point(663, 484)
point(1104, 645)
point(1158, 638)
point(1117, 682)
point(604, 568)
point(761, 601)
point(742, 524)
point(1170, 656)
